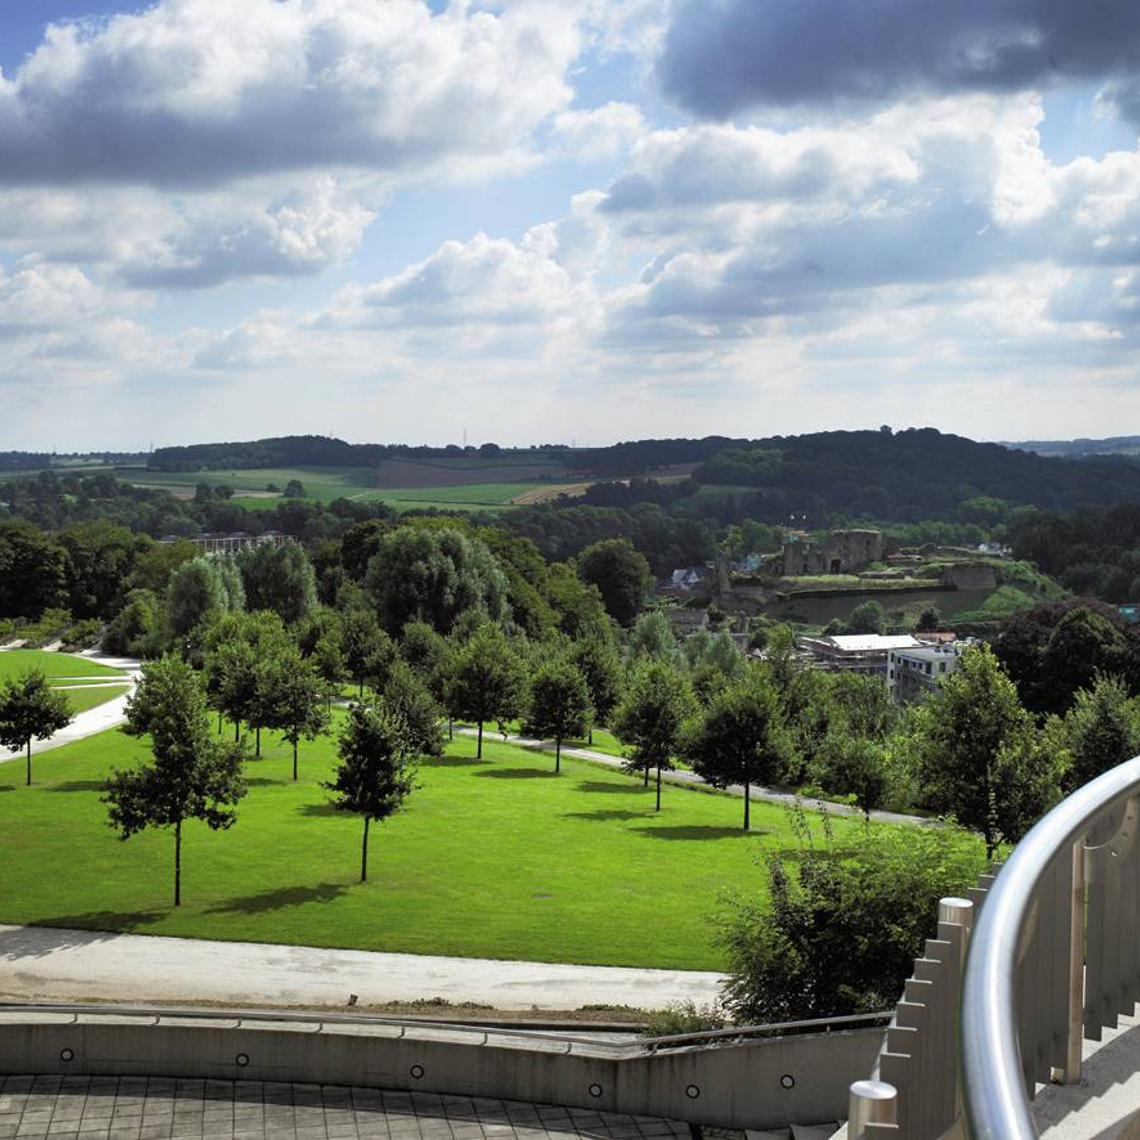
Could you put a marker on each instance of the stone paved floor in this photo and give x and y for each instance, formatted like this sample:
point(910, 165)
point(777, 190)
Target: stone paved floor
point(142, 1108)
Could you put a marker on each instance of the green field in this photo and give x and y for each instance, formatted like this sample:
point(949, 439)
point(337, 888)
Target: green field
point(498, 859)
point(321, 483)
point(52, 665)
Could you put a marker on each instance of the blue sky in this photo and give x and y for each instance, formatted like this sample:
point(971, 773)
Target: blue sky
point(557, 219)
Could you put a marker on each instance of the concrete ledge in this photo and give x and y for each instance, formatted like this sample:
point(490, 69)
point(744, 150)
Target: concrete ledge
point(763, 1083)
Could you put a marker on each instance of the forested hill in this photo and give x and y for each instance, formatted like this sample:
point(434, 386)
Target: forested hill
point(1113, 445)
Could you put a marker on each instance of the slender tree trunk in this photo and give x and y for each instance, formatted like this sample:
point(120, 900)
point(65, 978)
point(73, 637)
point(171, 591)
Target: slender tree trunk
point(747, 803)
point(219, 722)
point(479, 750)
point(658, 807)
point(360, 690)
point(257, 750)
point(178, 863)
point(450, 729)
point(645, 776)
point(590, 735)
point(29, 761)
point(237, 729)
point(364, 853)
point(558, 754)
point(294, 760)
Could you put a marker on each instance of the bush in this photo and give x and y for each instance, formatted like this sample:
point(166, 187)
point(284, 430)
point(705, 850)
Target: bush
point(83, 634)
point(683, 1017)
point(842, 926)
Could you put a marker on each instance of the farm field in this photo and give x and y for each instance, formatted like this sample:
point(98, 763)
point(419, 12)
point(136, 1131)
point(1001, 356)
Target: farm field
point(499, 858)
point(321, 483)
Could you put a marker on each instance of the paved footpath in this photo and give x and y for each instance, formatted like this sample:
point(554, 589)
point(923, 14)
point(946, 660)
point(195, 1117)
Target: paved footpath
point(43, 963)
point(756, 794)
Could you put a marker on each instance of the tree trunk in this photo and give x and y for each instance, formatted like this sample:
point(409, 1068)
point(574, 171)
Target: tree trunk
point(590, 735)
point(360, 690)
point(479, 750)
point(29, 761)
point(237, 730)
point(645, 776)
point(257, 750)
point(364, 853)
point(558, 754)
point(219, 722)
point(294, 760)
point(658, 807)
point(450, 729)
point(747, 803)
point(178, 863)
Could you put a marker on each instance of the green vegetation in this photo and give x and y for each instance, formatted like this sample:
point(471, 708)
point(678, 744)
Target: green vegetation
point(88, 697)
point(53, 665)
point(493, 859)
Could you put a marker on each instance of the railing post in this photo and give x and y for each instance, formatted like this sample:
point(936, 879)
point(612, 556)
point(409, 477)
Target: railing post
point(961, 913)
point(1071, 1074)
point(870, 1102)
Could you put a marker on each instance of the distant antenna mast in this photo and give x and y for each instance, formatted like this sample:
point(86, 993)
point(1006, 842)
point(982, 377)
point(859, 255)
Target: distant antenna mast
point(465, 438)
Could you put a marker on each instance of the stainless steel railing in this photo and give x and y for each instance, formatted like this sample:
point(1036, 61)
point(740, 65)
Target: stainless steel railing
point(1052, 956)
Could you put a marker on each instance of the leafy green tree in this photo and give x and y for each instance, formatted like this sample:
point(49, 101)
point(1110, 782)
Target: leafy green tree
point(408, 697)
point(979, 756)
point(299, 697)
point(739, 739)
point(846, 764)
point(578, 606)
point(279, 578)
point(377, 768)
point(621, 575)
point(360, 635)
point(716, 649)
point(199, 591)
point(488, 680)
point(433, 576)
point(294, 489)
point(100, 559)
point(426, 652)
point(193, 775)
point(133, 630)
point(32, 570)
point(1101, 730)
point(31, 709)
point(867, 617)
point(929, 620)
point(840, 928)
point(649, 718)
point(652, 636)
point(598, 662)
point(559, 705)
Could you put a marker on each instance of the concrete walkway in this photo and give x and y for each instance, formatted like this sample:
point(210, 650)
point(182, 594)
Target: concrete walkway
point(95, 720)
point(41, 963)
point(756, 794)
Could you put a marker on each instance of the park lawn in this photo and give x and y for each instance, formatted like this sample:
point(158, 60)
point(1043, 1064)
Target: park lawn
point(498, 859)
point(88, 698)
point(13, 662)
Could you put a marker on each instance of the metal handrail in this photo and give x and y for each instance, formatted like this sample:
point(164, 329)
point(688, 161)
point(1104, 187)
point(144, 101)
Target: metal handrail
point(993, 1084)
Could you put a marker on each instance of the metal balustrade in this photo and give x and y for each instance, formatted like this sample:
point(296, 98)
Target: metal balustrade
point(1044, 954)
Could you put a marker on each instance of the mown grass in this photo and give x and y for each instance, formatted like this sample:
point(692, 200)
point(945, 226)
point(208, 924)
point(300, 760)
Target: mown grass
point(498, 859)
point(53, 665)
point(87, 697)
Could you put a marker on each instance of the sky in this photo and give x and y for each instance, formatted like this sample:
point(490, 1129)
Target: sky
point(566, 221)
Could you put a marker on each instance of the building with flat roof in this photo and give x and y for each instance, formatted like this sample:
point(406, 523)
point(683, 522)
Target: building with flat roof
point(856, 652)
point(912, 674)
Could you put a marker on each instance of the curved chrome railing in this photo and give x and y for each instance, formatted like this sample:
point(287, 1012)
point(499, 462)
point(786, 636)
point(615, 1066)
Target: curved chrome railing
point(996, 1078)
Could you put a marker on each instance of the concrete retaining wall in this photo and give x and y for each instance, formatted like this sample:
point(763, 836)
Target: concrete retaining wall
point(768, 1082)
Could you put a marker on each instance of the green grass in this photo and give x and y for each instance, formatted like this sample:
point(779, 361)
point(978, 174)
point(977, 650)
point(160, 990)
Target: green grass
point(321, 483)
point(490, 494)
point(88, 698)
point(499, 859)
point(16, 661)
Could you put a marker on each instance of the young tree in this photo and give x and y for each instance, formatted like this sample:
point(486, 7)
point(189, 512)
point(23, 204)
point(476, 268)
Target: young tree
point(488, 680)
point(408, 697)
point(299, 700)
point(197, 591)
point(377, 768)
point(867, 617)
point(279, 578)
point(1101, 730)
point(740, 739)
point(559, 705)
point(193, 775)
point(655, 706)
point(979, 756)
point(360, 635)
point(31, 709)
point(652, 636)
point(598, 663)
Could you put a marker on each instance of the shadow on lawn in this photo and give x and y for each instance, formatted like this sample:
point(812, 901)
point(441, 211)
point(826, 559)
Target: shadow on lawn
point(280, 899)
point(42, 936)
point(682, 832)
point(325, 808)
point(605, 786)
point(607, 815)
point(78, 786)
point(519, 774)
point(454, 762)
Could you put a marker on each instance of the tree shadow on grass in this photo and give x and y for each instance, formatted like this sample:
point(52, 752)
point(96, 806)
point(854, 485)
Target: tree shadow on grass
point(78, 786)
point(519, 774)
point(321, 810)
point(605, 815)
point(453, 762)
point(263, 782)
point(661, 831)
point(605, 786)
point(280, 899)
point(70, 931)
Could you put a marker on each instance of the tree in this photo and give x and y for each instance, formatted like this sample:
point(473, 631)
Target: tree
point(867, 617)
point(294, 489)
point(31, 709)
point(656, 704)
point(1101, 730)
point(193, 775)
point(559, 705)
point(377, 768)
point(979, 756)
point(298, 697)
point(840, 928)
point(360, 635)
point(621, 575)
point(279, 578)
point(488, 681)
point(652, 636)
point(135, 628)
point(598, 663)
point(408, 697)
point(426, 652)
point(32, 570)
point(199, 590)
point(929, 620)
point(739, 739)
point(433, 576)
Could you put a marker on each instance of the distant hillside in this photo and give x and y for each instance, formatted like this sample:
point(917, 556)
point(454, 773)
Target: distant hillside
point(1076, 448)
